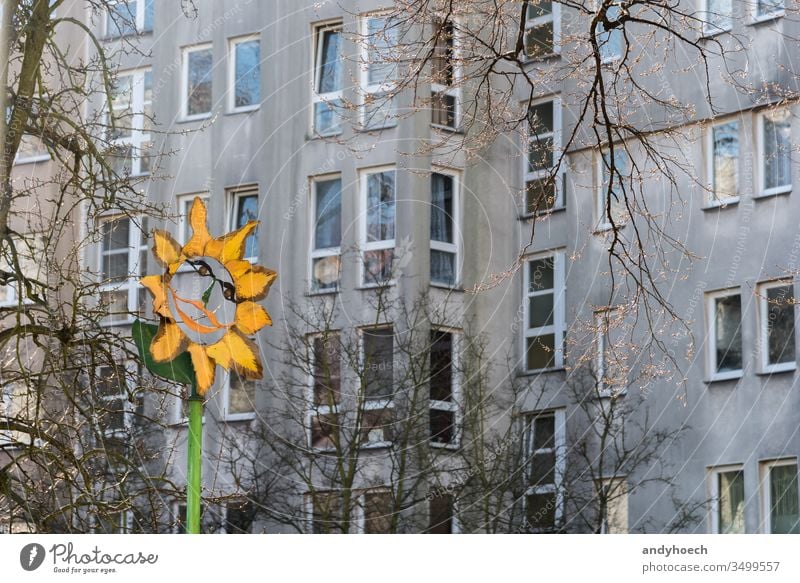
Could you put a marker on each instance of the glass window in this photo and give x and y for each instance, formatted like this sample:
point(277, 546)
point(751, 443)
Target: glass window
point(613, 185)
point(328, 82)
point(541, 29)
point(777, 148)
point(326, 512)
point(777, 325)
point(784, 516)
point(128, 126)
point(380, 36)
point(241, 395)
point(730, 501)
point(199, 62)
point(767, 8)
point(725, 161)
point(444, 249)
point(544, 312)
point(378, 362)
point(444, 97)
point(378, 245)
point(440, 515)
point(246, 73)
point(325, 255)
point(327, 370)
point(443, 406)
point(239, 517)
point(719, 16)
point(727, 346)
point(121, 18)
point(610, 41)
point(245, 209)
point(544, 443)
point(541, 182)
point(377, 508)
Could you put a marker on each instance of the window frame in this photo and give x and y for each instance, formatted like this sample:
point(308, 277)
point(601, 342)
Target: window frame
point(559, 326)
point(139, 19)
point(320, 253)
point(227, 416)
point(369, 404)
point(714, 497)
point(710, 30)
point(712, 199)
point(42, 155)
point(455, 247)
point(600, 196)
point(762, 190)
point(454, 404)
point(765, 486)
point(139, 135)
point(184, 97)
point(233, 42)
point(233, 195)
point(559, 465)
point(315, 410)
point(318, 36)
point(382, 245)
point(365, 87)
point(766, 16)
point(454, 89)
point(128, 409)
point(555, 17)
point(137, 244)
point(711, 335)
point(528, 175)
point(763, 318)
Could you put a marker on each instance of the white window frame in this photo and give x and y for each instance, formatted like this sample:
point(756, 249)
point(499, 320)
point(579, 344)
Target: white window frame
point(764, 487)
point(712, 199)
point(128, 409)
point(713, 486)
point(559, 451)
point(372, 89)
point(369, 404)
point(555, 17)
point(559, 326)
point(763, 318)
point(777, 13)
point(762, 177)
point(711, 328)
point(600, 203)
point(232, 44)
point(454, 404)
point(314, 410)
point(184, 97)
point(140, 137)
point(313, 251)
point(137, 243)
point(138, 18)
point(709, 29)
point(383, 245)
point(318, 35)
point(455, 246)
point(528, 175)
point(233, 195)
point(453, 90)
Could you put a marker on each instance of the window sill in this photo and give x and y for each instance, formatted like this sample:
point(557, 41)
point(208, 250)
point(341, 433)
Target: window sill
point(447, 446)
point(238, 417)
point(605, 228)
point(773, 192)
point(719, 204)
point(315, 135)
point(710, 34)
point(542, 58)
point(248, 109)
point(539, 371)
point(447, 129)
point(368, 130)
point(194, 118)
point(766, 18)
point(32, 160)
point(128, 35)
point(724, 377)
point(446, 287)
point(322, 292)
point(374, 286)
point(543, 213)
point(790, 367)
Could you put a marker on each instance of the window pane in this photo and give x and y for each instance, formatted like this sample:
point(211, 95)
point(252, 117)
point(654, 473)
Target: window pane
point(239, 518)
point(241, 395)
point(719, 15)
point(148, 15)
point(115, 303)
point(440, 511)
point(248, 74)
point(780, 324)
point(324, 429)
point(544, 430)
point(327, 512)
point(442, 208)
point(539, 195)
point(380, 206)
point(539, 9)
point(325, 273)
point(199, 82)
point(376, 426)
point(442, 426)
point(784, 513)
point(726, 160)
point(328, 220)
point(728, 317)
point(381, 58)
point(246, 211)
point(441, 360)
point(540, 274)
point(121, 18)
point(327, 116)
point(442, 59)
point(540, 118)
point(115, 267)
point(377, 512)
point(443, 267)
point(327, 367)
point(116, 234)
point(110, 381)
point(443, 109)
point(777, 149)
point(378, 362)
point(329, 64)
point(766, 7)
point(539, 40)
point(610, 42)
point(541, 352)
point(620, 171)
point(540, 311)
point(731, 502)
point(540, 510)
point(543, 468)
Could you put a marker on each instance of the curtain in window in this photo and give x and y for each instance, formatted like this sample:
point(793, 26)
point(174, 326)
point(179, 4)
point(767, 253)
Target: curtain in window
point(329, 76)
point(731, 502)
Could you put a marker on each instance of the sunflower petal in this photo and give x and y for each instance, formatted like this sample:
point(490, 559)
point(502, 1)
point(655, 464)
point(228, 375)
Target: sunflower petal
point(254, 284)
point(235, 352)
point(204, 368)
point(230, 247)
point(165, 248)
point(198, 216)
point(168, 343)
point(250, 317)
point(155, 284)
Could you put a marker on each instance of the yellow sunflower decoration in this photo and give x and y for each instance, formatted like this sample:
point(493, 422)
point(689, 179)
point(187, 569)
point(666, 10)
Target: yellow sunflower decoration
point(206, 300)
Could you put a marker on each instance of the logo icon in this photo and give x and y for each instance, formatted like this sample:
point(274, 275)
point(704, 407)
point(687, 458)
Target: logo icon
point(31, 556)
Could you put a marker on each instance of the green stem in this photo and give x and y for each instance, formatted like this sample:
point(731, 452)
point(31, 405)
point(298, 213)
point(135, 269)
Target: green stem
point(194, 462)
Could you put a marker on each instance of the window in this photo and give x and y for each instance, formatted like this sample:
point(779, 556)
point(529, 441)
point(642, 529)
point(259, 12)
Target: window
point(197, 70)
point(444, 93)
point(326, 204)
point(610, 354)
point(725, 334)
point(31, 149)
point(727, 500)
point(326, 512)
point(378, 385)
point(239, 397)
point(17, 401)
point(781, 513)
point(718, 16)
point(441, 515)
point(776, 319)
point(609, 42)
point(615, 172)
point(544, 312)
point(328, 66)
point(443, 389)
point(126, 17)
point(723, 176)
point(543, 188)
point(30, 257)
point(377, 226)
point(130, 122)
point(123, 256)
point(371, 514)
point(244, 70)
point(179, 518)
point(112, 389)
point(239, 516)
point(244, 209)
point(379, 70)
point(375, 512)
point(544, 456)
point(768, 9)
point(775, 141)
point(444, 221)
point(326, 390)
point(185, 202)
point(542, 24)
point(614, 519)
